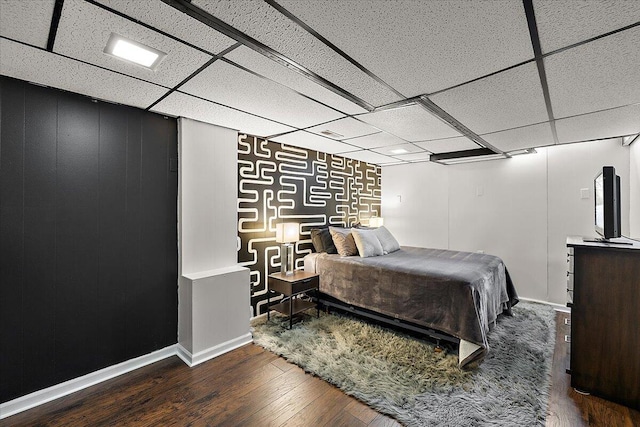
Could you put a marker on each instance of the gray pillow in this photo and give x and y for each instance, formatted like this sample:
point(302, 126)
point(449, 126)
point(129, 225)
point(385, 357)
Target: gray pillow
point(388, 242)
point(322, 241)
point(367, 242)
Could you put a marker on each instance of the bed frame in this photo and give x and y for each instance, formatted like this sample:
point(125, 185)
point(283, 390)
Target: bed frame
point(329, 302)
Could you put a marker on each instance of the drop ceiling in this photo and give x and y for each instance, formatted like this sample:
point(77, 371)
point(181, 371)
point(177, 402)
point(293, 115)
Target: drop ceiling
point(388, 82)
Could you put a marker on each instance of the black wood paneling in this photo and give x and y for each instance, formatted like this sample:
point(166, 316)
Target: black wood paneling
point(88, 235)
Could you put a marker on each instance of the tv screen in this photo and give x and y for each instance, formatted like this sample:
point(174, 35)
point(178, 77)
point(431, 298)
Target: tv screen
point(606, 186)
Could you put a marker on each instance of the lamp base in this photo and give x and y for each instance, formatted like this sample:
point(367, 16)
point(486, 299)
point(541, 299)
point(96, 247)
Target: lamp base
point(286, 259)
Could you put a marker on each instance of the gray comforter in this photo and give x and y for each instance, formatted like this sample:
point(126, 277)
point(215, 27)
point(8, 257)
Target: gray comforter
point(460, 293)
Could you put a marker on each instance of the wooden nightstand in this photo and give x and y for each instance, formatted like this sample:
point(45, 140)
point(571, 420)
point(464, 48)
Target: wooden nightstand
point(290, 286)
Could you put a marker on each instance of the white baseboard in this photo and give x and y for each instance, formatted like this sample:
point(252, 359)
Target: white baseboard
point(204, 355)
point(48, 394)
point(556, 307)
point(57, 391)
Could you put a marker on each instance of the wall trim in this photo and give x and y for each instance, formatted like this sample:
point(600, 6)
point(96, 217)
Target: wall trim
point(556, 307)
point(202, 356)
point(57, 391)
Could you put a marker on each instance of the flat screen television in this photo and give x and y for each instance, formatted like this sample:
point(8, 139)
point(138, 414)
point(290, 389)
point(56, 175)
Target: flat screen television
point(606, 186)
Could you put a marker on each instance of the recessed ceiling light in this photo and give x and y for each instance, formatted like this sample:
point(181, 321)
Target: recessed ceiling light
point(399, 151)
point(134, 52)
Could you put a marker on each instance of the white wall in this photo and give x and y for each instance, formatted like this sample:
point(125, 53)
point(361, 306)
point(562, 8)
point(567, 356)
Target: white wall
point(634, 190)
point(213, 291)
point(209, 196)
point(520, 209)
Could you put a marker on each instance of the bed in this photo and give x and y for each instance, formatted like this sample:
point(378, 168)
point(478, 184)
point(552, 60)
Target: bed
point(460, 294)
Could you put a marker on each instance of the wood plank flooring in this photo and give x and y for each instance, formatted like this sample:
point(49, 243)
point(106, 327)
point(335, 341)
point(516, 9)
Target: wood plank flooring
point(252, 387)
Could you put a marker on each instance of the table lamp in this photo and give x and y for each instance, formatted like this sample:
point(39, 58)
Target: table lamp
point(287, 233)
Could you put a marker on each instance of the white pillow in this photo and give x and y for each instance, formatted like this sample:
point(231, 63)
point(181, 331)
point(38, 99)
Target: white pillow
point(367, 242)
point(388, 242)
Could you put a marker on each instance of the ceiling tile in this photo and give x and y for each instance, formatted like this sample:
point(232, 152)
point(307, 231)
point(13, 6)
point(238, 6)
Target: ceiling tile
point(313, 142)
point(36, 65)
point(565, 22)
point(381, 139)
point(505, 100)
point(265, 24)
point(412, 123)
point(603, 124)
point(595, 76)
point(422, 46)
point(414, 157)
point(448, 145)
point(538, 135)
point(369, 157)
point(232, 86)
point(26, 21)
point(85, 29)
point(172, 21)
point(346, 128)
point(396, 150)
point(178, 104)
point(270, 69)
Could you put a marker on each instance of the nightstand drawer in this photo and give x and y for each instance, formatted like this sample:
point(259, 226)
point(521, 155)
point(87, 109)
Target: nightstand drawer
point(293, 284)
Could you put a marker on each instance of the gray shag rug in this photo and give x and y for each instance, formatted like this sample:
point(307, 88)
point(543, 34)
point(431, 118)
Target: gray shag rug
point(404, 377)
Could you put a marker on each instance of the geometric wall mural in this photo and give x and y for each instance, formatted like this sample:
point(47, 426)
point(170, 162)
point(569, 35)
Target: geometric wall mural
point(278, 182)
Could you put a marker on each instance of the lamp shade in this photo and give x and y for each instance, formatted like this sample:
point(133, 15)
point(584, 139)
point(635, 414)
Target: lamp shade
point(287, 232)
point(376, 221)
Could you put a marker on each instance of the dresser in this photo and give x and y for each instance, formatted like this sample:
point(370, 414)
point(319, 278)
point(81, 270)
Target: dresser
point(603, 291)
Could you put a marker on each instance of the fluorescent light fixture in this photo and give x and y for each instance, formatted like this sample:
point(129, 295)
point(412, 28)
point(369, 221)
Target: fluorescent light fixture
point(331, 134)
point(523, 151)
point(399, 151)
point(131, 51)
point(472, 159)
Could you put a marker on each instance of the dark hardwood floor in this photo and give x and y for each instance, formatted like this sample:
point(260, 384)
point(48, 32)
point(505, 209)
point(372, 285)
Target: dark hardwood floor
point(252, 387)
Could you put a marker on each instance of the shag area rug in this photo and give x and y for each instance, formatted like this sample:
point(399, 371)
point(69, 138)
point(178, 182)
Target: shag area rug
point(402, 376)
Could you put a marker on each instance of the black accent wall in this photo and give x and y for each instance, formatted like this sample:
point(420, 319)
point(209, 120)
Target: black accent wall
point(278, 182)
point(88, 235)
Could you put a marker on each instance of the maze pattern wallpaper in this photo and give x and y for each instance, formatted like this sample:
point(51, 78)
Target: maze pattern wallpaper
point(281, 183)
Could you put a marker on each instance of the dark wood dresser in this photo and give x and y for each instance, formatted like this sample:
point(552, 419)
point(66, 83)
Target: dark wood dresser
point(603, 289)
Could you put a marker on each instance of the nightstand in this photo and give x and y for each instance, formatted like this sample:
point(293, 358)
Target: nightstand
point(289, 286)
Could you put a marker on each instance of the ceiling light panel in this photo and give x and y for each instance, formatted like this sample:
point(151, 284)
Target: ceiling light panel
point(229, 85)
point(265, 24)
point(270, 69)
point(564, 22)
point(505, 100)
point(412, 123)
point(422, 46)
point(394, 150)
point(538, 135)
point(603, 124)
point(134, 52)
point(595, 76)
point(179, 104)
point(369, 157)
point(381, 139)
point(313, 142)
point(26, 21)
point(448, 145)
point(84, 30)
point(36, 65)
point(347, 127)
point(172, 21)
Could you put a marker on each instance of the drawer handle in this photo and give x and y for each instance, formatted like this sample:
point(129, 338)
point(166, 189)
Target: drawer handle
point(306, 280)
point(567, 321)
point(567, 338)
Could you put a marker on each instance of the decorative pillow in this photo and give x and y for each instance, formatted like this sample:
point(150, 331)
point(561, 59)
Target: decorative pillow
point(388, 242)
point(345, 244)
point(322, 241)
point(367, 242)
